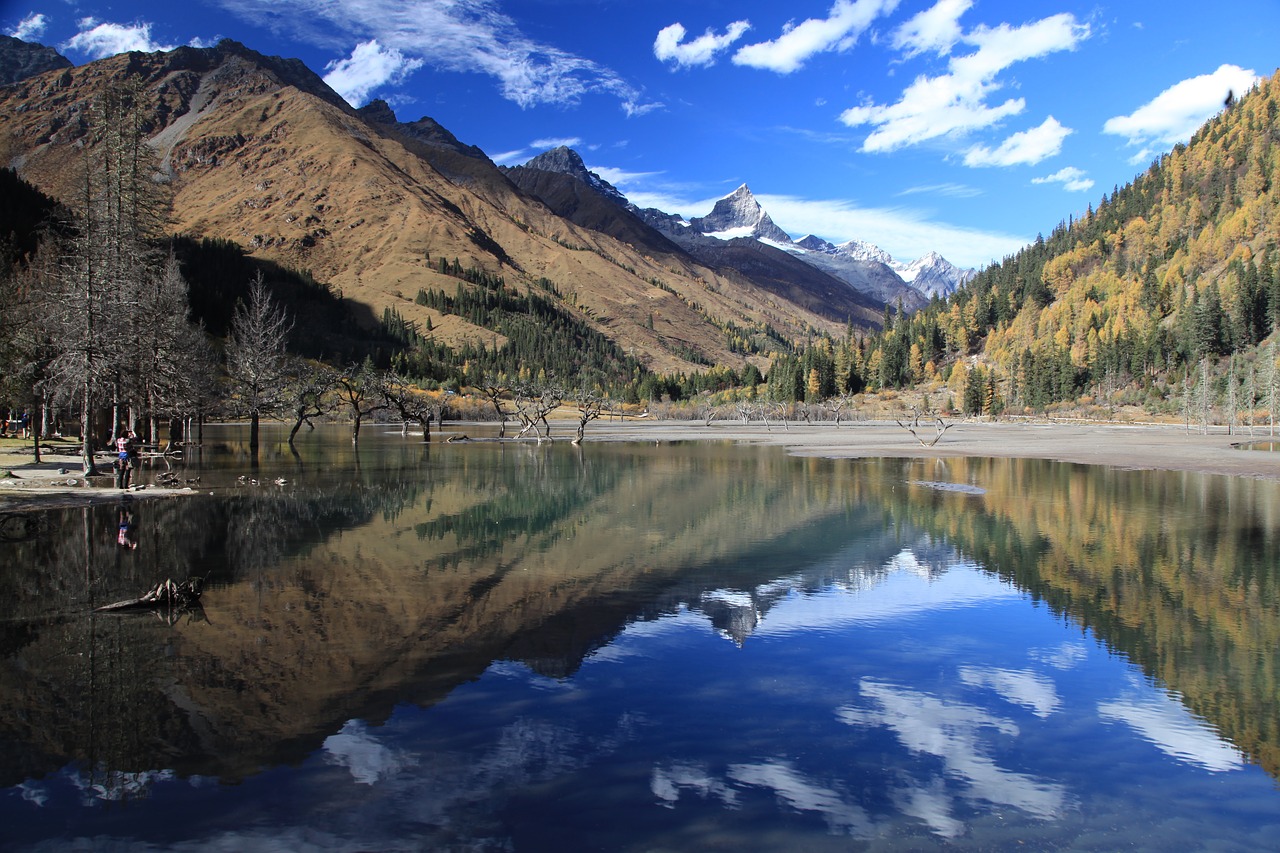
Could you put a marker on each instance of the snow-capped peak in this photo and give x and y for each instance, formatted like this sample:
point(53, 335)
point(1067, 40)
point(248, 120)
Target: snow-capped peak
point(740, 215)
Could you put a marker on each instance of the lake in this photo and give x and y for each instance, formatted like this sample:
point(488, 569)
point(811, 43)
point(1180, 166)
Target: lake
point(499, 646)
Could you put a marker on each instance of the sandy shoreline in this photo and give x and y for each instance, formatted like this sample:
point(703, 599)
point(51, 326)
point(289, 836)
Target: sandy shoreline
point(1169, 448)
point(26, 485)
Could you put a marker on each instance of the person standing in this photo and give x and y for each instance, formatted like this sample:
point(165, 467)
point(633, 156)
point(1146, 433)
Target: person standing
point(126, 453)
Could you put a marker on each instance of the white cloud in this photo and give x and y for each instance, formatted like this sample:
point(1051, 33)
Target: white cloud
point(98, 40)
point(549, 142)
point(670, 45)
point(947, 190)
point(1175, 114)
point(1071, 178)
point(506, 158)
point(30, 28)
point(956, 103)
point(839, 31)
point(475, 37)
point(369, 67)
point(620, 177)
point(1025, 148)
point(935, 30)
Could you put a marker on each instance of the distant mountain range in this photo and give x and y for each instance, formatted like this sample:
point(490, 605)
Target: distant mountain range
point(739, 216)
point(260, 152)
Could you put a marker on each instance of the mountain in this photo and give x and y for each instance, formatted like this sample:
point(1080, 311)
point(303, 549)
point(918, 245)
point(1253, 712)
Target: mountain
point(20, 60)
point(864, 266)
point(260, 152)
point(934, 275)
point(740, 215)
point(561, 181)
point(1165, 294)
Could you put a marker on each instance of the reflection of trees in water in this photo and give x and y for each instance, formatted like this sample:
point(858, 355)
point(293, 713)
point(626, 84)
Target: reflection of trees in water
point(523, 500)
point(1179, 572)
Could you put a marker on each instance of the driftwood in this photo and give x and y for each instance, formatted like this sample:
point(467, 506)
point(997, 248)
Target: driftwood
point(164, 595)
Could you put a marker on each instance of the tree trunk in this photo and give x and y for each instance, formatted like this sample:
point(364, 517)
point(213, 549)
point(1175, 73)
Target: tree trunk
point(86, 431)
point(253, 434)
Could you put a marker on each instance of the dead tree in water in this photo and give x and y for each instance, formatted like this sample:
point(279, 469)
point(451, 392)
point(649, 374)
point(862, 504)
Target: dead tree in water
point(410, 402)
point(590, 406)
point(533, 404)
point(361, 389)
point(494, 390)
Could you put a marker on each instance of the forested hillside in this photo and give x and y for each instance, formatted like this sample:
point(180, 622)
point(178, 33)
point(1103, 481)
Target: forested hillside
point(1167, 294)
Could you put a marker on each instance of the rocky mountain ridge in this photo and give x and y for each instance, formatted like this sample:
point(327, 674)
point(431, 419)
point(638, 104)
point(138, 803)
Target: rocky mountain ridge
point(862, 266)
point(259, 151)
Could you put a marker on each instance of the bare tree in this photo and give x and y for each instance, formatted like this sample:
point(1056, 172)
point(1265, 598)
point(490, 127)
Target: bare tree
point(495, 390)
point(361, 388)
point(1272, 376)
point(308, 393)
point(410, 402)
point(534, 401)
point(835, 405)
point(940, 427)
point(256, 357)
point(118, 212)
point(590, 404)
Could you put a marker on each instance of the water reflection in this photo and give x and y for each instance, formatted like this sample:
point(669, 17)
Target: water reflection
point(504, 647)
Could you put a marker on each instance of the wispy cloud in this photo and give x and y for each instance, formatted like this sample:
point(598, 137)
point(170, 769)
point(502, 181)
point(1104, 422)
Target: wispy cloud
point(506, 158)
point(30, 28)
point(948, 190)
point(1026, 148)
point(839, 31)
point(935, 30)
point(475, 37)
point(623, 178)
point(670, 45)
point(548, 142)
point(99, 39)
point(1174, 114)
point(956, 103)
point(369, 67)
point(1071, 178)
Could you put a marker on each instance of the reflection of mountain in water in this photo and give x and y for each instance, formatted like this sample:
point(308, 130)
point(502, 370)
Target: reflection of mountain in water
point(385, 587)
point(396, 584)
point(737, 613)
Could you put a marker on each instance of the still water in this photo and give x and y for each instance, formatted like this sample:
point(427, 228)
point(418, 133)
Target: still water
point(693, 646)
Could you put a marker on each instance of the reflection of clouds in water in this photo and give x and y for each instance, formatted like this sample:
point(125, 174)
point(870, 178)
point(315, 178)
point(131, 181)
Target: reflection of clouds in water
point(1018, 686)
point(1063, 656)
point(799, 793)
point(668, 782)
point(638, 638)
point(521, 672)
point(360, 752)
point(118, 786)
point(1166, 723)
point(931, 804)
point(952, 731)
point(33, 793)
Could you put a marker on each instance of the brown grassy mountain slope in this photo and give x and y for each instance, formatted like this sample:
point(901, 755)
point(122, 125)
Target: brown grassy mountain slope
point(260, 151)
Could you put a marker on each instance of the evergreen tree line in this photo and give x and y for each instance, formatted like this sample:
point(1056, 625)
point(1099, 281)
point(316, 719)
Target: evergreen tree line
point(1176, 270)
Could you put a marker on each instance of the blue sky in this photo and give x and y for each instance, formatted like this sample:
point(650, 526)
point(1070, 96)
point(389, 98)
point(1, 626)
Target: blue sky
point(965, 127)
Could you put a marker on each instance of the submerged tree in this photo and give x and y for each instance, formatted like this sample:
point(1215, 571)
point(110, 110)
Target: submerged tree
point(361, 389)
point(256, 358)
